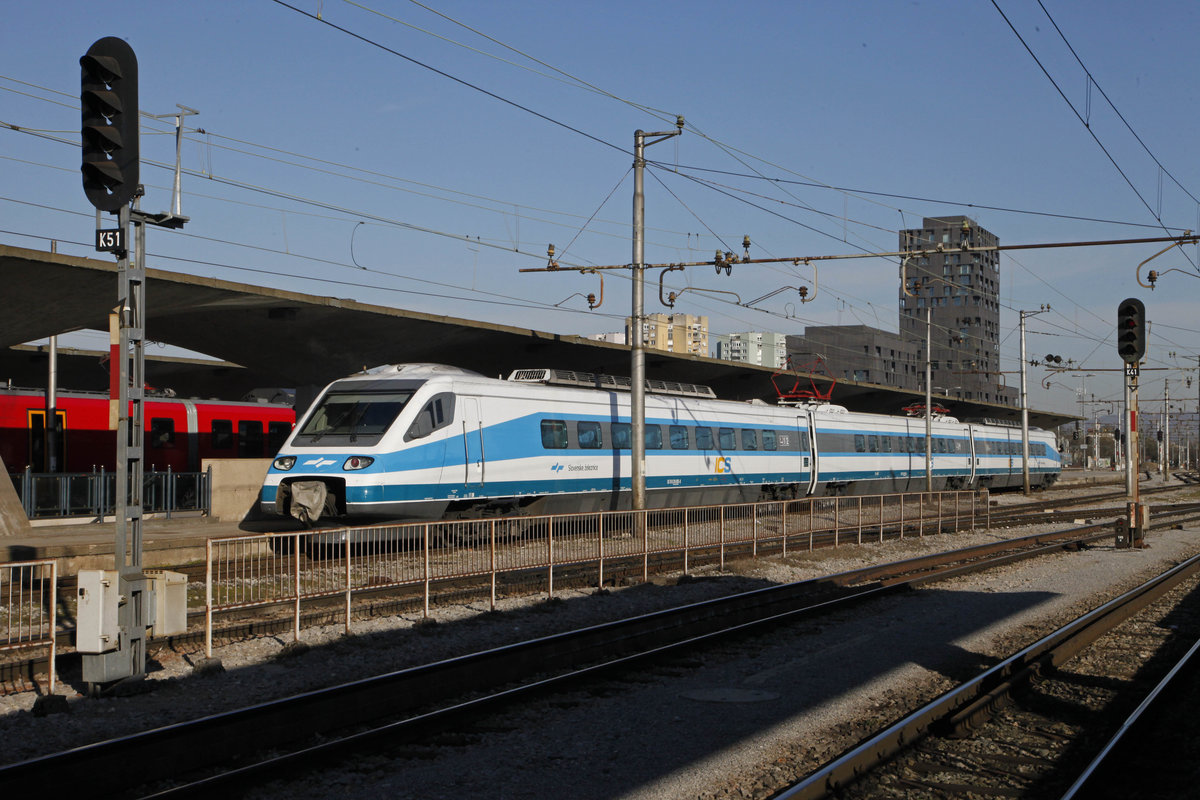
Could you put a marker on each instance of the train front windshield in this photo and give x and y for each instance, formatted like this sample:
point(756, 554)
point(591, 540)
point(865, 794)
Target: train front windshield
point(352, 418)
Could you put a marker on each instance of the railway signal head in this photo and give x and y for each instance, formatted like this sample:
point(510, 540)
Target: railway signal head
point(1131, 330)
point(109, 99)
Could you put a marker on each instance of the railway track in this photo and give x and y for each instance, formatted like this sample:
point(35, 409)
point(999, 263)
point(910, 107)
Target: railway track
point(18, 674)
point(411, 702)
point(1019, 728)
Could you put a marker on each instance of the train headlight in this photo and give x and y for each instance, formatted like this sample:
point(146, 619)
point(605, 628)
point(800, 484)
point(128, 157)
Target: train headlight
point(358, 462)
point(284, 463)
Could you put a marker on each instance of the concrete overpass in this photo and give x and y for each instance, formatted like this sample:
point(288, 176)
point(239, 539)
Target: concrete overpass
point(272, 337)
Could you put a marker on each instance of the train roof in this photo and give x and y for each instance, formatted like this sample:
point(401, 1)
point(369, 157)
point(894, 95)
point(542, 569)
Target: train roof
point(591, 380)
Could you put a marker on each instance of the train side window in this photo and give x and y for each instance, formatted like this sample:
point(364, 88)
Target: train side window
point(589, 435)
point(872, 443)
point(860, 443)
point(162, 432)
point(554, 434)
point(654, 437)
point(277, 434)
point(704, 438)
point(804, 444)
point(250, 438)
point(222, 434)
point(621, 436)
point(768, 440)
point(749, 439)
point(885, 443)
point(679, 438)
point(437, 413)
point(725, 437)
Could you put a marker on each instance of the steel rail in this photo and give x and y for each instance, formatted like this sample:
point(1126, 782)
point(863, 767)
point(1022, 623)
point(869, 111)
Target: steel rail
point(24, 671)
point(964, 705)
point(222, 737)
point(1111, 755)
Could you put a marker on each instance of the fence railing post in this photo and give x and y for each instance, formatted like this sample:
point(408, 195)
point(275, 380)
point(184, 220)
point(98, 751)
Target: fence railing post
point(53, 623)
point(425, 548)
point(722, 535)
point(687, 549)
point(170, 498)
point(208, 598)
point(860, 524)
point(783, 524)
point(349, 585)
point(296, 587)
point(639, 518)
point(754, 530)
point(550, 555)
point(837, 519)
point(492, 559)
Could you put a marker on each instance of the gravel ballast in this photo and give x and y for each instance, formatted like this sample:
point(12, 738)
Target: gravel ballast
point(735, 720)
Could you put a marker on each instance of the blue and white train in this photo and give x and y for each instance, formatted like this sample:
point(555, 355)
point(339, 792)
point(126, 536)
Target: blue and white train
point(426, 441)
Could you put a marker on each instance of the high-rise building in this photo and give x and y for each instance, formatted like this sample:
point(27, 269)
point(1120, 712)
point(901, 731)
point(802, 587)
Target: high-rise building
point(858, 353)
point(959, 289)
point(753, 347)
point(675, 333)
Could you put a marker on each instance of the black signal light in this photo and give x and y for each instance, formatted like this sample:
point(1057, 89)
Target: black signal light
point(1131, 330)
point(109, 100)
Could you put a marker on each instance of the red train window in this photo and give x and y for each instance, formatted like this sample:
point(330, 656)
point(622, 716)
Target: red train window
point(222, 434)
point(162, 432)
point(250, 439)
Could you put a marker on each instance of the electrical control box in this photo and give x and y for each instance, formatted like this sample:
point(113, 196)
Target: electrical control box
point(99, 599)
point(170, 602)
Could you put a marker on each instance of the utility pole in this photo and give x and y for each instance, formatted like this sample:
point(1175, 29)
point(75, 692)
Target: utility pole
point(637, 369)
point(929, 398)
point(1131, 347)
point(1025, 402)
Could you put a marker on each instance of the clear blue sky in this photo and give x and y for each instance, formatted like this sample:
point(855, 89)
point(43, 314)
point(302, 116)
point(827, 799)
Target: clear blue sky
point(465, 143)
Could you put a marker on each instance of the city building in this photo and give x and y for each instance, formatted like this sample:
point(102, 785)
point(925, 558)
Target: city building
point(960, 291)
point(753, 347)
point(614, 338)
point(858, 353)
point(675, 333)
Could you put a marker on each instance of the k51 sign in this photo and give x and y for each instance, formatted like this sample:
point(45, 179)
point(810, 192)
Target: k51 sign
point(110, 241)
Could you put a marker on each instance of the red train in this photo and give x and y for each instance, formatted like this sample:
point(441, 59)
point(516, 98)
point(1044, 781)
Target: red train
point(179, 433)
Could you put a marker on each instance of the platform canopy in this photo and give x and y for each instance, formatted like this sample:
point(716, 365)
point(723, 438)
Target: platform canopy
point(271, 337)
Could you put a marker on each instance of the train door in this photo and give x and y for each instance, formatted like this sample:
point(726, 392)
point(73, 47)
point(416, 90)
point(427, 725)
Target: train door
point(807, 425)
point(472, 427)
point(972, 458)
point(914, 462)
point(43, 458)
point(191, 418)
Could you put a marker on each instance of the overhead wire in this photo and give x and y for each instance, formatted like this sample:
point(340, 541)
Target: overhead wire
point(1084, 122)
point(292, 198)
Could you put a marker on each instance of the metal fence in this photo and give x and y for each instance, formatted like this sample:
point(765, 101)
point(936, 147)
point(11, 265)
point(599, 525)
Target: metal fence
point(93, 494)
point(252, 571)
point(28, 608)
